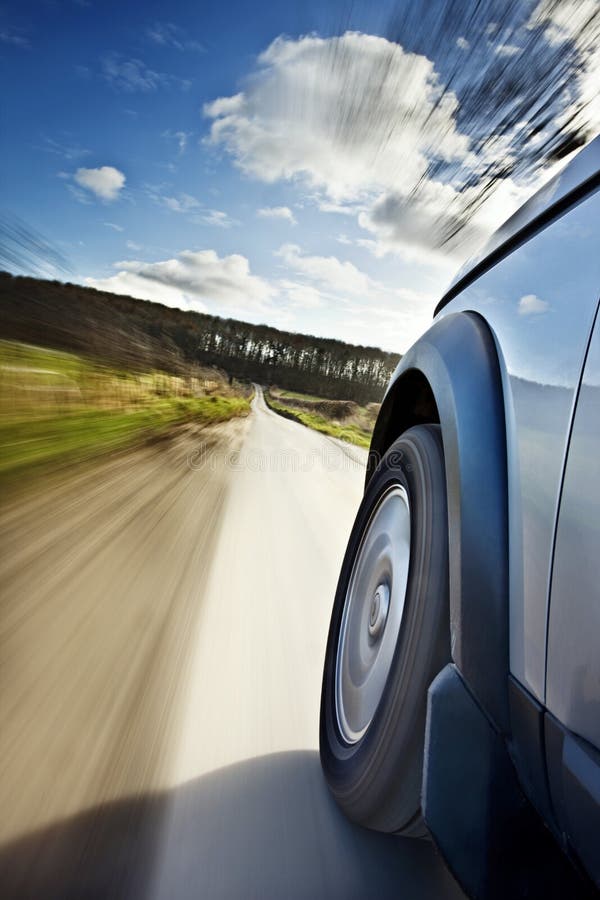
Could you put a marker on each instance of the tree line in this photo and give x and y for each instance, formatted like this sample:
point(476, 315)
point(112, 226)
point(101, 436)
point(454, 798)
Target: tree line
point(139, 334)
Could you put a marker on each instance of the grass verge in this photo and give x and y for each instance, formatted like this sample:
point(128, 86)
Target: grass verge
point(350, 433)
point(76, 436)
point(58, 409)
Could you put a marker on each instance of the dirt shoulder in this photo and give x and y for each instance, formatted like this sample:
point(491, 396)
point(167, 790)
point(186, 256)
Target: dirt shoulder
point(102, 575)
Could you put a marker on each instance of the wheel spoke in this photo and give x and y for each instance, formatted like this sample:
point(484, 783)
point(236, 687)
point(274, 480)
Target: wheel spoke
point(372, 615)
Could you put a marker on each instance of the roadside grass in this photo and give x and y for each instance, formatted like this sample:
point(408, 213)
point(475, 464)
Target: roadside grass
point(294, 395)
point(58, 408)
point(350, 432)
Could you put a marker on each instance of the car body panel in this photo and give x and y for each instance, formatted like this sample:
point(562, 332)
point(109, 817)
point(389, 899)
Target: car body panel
point(492, 839)
point(573, 767)
point(539, 303)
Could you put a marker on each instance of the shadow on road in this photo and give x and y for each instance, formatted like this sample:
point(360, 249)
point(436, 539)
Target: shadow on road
point(264, 828)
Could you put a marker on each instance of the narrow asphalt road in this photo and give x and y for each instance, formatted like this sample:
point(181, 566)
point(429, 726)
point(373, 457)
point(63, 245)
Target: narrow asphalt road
point(162, 632)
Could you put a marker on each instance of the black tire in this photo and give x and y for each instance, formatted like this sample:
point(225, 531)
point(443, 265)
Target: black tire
point(377, 780)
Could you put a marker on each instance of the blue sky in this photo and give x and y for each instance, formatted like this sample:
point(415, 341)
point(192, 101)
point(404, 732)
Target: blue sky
point(200, 154)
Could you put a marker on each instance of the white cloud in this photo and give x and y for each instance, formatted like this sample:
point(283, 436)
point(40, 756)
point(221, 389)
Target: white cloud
point(380, 248)
point(377, 248)
point(507, 50)
point(132, 75)
point(183, 203)
point(347, 115)
point(164, 34)
point(530, 305)
point(326, 270)
point(321, 295)
point(564, 21)
point(369, 130)
point(131, 245)
point(167, 34)
point(277, 212)
point(132, 285)
point(406, 224)
point(224, 106)
point(81, 196)
point(190, 277)
point(14, 39)
point(114, 226)
point(357, 120)
point(340, 209)
point(66, 150)
point(302, 296)
point(358, 303)
point(576, 21)
point(105, 182)
point(216, 217)
point(191, 207)
point(416, 227)
point(180, 137)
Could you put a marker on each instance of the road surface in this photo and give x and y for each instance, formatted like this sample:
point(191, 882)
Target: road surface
point(162, 634)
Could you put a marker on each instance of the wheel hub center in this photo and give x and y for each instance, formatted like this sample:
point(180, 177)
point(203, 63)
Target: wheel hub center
point(378, 612)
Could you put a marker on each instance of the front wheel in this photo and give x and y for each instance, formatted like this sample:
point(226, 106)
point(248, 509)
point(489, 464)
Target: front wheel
point(389, 637)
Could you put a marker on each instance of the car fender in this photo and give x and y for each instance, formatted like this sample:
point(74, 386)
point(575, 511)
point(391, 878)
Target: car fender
point(453, 372)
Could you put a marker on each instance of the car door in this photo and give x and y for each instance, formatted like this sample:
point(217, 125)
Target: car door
point(573, 660)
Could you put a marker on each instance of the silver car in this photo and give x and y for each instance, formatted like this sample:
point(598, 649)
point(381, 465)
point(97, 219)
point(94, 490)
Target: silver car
point(461, 691)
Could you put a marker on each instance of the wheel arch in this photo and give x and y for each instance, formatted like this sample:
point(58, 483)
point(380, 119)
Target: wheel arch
point(452, 375)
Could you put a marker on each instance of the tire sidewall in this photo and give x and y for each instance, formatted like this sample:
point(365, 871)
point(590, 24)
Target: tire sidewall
point(347, 765)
